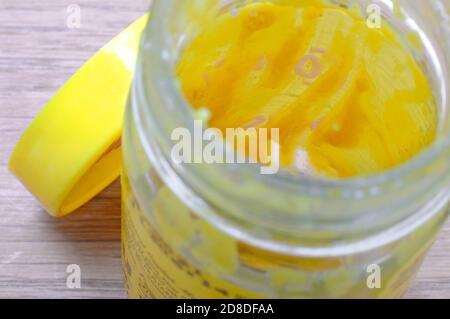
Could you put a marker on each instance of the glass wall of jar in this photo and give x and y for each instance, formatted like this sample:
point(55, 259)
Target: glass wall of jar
point(226, 231)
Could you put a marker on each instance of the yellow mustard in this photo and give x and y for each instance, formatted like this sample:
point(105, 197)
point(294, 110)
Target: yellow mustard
point(351, 96)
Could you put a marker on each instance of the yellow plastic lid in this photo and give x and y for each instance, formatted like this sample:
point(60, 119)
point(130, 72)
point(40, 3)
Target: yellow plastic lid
point(71, 151)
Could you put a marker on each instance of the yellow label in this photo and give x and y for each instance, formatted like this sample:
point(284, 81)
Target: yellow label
point(153, 269)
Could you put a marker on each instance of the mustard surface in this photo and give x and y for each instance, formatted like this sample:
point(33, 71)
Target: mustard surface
point(352, 98)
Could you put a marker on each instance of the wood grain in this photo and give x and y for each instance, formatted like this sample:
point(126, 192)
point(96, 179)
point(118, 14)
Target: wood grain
point(38, 53)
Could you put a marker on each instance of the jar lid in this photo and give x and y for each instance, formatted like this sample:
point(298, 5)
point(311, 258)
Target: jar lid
point(72, 149)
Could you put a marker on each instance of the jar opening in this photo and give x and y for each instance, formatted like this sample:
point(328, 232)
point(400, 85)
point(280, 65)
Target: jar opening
point(309, 211)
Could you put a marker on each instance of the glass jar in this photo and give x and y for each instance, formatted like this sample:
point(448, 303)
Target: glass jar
point(226, 231)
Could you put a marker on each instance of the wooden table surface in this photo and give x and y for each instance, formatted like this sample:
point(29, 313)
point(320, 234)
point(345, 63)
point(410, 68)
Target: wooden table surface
point(38, 53)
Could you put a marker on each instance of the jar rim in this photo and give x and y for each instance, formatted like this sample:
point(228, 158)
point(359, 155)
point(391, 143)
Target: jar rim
point(158, 59)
